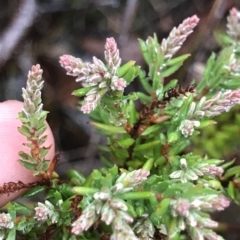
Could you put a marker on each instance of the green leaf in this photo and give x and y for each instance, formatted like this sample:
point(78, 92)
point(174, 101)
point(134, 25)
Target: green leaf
point(28, 165)
point(125, 143)
point(11, 210)
point(65, 189)
point(26, 156)
point(173, 137)
point(144, 98)
point(160, 161)
point(163, 206)
point(119, 152)
point(207, 123)
point(232, 172)
point(125, 68)
point(106, 161)
point(173, 231)
point(144, 50)
point(81, 91)
point(145, 82)
point(76, 174)
point(230, 84)
point(151, 130)
point(114, 170)
point(171, 84)
point(185, 107)
point(146, 146)
point(84, 190)
point(131, 74)
point(96, 174)
point(133, 114)
point(140, 211)
point(207, 73)
point(24, 131)
point(155, 219)
point(148, 164)
point(33, 191)
point(194, 192)
point(160, 187)
point(42, 139)
point(230, 190)
point(21, 209)
point(228, 164)
point(108, 128)
point(11, 234)
point(43, 152)
point(170, 70)
point(41, 130)
point(177, 60)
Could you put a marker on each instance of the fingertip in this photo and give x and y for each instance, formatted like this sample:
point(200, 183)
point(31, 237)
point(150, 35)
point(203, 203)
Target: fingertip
point(11, 142)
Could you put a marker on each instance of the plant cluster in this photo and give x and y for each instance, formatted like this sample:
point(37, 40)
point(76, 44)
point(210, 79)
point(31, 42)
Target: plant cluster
point(150, 187)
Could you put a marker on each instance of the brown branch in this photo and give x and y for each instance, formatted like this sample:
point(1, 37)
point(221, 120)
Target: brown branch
point(147, 116)
point(12, 187)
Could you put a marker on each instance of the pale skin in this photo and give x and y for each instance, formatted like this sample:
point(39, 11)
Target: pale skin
point(11, 142)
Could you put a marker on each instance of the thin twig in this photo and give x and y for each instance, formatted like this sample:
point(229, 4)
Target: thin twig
point(130, 12)
point(23, 19)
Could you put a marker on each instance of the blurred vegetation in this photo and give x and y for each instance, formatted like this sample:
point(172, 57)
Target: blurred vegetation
point(221, 140)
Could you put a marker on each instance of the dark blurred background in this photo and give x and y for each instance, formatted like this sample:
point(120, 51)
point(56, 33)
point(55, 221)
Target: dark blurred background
point(39, 31)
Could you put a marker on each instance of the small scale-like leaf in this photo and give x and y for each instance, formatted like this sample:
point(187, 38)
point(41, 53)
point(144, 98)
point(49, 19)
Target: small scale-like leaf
point(26, 156)
point(43, 151)
point(41, 130)
point(28, 165)
point(24, 131)
point(42, 140)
